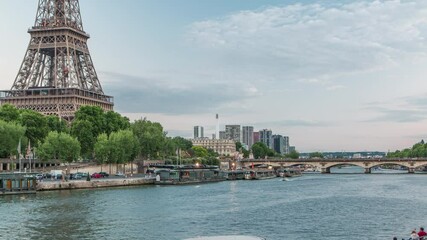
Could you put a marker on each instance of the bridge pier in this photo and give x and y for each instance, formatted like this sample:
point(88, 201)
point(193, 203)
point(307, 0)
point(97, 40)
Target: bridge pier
point(411, 170)
point(326, 170)
point(367, 170)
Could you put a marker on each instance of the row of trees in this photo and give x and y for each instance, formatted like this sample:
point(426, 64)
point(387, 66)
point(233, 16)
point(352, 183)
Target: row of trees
point(418, 150)
point(106, 137)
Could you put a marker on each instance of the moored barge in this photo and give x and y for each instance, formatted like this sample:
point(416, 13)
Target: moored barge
point(188, 174)
point(17, 183)
point(233, 174)
point(260, 174)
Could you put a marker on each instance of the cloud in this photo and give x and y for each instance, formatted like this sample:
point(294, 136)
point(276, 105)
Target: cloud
point(152, 95)
point(402, 110)
point(335, 87)
point(305, 41)
point(292, 123)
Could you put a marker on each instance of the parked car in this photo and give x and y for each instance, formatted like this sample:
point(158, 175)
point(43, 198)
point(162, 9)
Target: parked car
point(104, 174)
point(75, 176)
point(39, 177)
point(96, 175)
point(84, 175)
point(120, 174)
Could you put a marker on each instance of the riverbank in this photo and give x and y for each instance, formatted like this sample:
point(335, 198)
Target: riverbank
point(93, 183)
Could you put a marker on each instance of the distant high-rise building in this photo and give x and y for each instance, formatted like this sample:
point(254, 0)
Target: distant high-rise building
point(287, 147)
point(222, 135)
point(256, 137)
point(232, 132)
point(279, 144)
point(248, 135)
point(292, 149)
point(217, 127)
point(265, 136)
point(198, 132)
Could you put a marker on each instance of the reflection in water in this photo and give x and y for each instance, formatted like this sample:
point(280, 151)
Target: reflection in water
point(315, 206)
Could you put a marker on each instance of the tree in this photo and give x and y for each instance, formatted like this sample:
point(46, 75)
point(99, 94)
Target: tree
point(260, 150)
point(10, 133)
point(246, 153)
point(182, 143)
point(55, 124)
point(83, 131)
point(103, 150)
point(59, 146)
point(239, 146)
point(293, 154)
point(124, 146)
point(150, 136)
point(200, 152)
point(35, 124)
point(9, 113)
point(316, 155)
point(114, 122)
point(94, 115)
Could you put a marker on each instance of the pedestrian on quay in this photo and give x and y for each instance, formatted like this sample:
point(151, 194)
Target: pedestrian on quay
point(421, 233)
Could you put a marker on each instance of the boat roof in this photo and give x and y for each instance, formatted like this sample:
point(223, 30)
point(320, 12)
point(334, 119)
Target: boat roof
point(180, 167)
point(227, 238)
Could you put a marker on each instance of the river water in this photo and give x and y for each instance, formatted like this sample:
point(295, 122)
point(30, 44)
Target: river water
point(314, 206)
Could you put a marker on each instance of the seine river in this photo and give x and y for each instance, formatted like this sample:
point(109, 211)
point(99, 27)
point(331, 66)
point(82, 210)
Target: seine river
point(314, 206)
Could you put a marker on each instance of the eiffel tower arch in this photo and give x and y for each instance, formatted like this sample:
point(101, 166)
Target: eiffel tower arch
point(57, 75)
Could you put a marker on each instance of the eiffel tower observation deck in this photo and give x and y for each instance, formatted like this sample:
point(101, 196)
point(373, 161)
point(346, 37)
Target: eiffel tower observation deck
point(57, 75)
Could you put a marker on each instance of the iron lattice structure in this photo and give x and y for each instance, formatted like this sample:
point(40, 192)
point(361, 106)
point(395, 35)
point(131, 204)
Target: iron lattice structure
point(57, 75)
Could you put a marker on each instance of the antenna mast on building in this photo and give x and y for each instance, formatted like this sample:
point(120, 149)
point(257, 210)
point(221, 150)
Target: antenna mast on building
point(217, 127)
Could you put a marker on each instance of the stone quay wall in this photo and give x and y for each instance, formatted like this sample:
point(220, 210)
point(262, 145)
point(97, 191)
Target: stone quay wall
point(83, 184)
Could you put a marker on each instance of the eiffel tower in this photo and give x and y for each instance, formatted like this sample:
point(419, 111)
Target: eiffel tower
point(57, 75)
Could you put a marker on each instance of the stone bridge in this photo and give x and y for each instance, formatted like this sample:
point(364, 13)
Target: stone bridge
point(326, 164)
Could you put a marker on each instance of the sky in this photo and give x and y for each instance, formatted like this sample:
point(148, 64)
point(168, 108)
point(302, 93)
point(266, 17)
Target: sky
point(332, 75)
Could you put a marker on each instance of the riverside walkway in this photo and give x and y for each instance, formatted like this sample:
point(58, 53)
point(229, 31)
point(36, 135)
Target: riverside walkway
point(326, 164)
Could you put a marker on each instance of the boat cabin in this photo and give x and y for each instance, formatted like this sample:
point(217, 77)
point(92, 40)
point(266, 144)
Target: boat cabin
point(17, 183)
point(171, 174)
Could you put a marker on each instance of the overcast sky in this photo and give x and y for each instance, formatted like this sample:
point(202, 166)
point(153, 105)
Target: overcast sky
point(332, 75)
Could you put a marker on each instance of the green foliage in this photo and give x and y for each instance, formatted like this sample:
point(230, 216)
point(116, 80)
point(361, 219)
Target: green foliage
point(200, 152)
point(239, 146)
point(102, 149)
point(182, 143)
point(35, 124)
point(293, 155)
point(10, 133)
point(114, 122)
point(94, 115)
point(150, 136)
point(260, 150)
point(55, 124)
point(124, 146)
point(59, 146)
point(90, 122)
point(84, 131)
point(9, 113)
point(315, 155)
point(418, 150)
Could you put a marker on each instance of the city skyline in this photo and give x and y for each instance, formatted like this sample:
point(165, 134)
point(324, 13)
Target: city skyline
point(343, 75)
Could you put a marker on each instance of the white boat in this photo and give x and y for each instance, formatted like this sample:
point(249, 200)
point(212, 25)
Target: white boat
point(227, 238)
